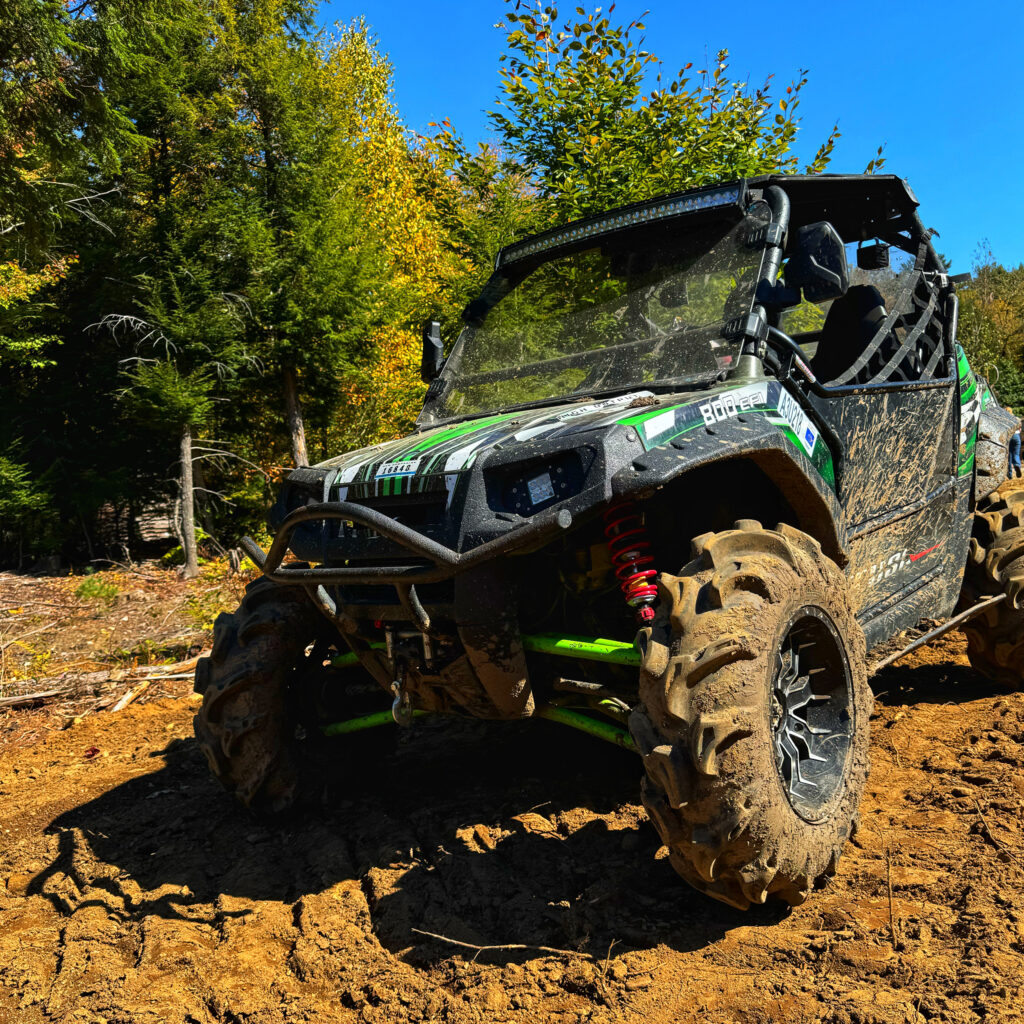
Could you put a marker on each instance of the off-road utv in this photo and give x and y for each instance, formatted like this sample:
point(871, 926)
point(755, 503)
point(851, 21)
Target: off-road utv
point(687, 463)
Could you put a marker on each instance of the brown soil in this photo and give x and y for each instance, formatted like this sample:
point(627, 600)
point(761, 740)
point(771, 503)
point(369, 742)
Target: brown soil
point(132, 889)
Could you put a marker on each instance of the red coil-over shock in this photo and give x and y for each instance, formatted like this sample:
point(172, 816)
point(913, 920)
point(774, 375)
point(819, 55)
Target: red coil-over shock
point(628, 547)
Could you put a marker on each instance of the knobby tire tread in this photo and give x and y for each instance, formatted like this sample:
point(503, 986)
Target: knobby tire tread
point(995, 565)
point(711, 786)
point(246, 725)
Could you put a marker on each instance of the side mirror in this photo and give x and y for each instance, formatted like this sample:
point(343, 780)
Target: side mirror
point(819, 264)
point(433, 352)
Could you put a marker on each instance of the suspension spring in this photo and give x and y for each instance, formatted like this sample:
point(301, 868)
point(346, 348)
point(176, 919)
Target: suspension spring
point(629, 548)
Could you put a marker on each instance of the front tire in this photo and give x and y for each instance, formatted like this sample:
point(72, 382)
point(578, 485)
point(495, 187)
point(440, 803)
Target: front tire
point(755, 715)
point(265, 698)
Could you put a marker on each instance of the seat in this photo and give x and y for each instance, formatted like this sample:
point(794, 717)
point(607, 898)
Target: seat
point(852, 322)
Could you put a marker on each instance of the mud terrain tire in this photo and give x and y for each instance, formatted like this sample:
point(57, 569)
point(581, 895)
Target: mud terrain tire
point(995, 639)
point(247, 724)
point(731, 629)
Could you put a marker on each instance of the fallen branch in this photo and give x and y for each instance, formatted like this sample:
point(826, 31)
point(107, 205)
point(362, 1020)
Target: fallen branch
point(131, 696)
point(186, 666)
point(502, 946)
point(25, 636)
point(126, 567)
point(72, 680)
point(78, 684)
point(24, 699)
point(69, 686)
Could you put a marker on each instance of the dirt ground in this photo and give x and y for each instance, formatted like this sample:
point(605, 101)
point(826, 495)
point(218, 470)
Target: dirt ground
point(133, 890)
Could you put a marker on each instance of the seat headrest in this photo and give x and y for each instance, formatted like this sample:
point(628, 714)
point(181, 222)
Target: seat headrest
point(861, 302)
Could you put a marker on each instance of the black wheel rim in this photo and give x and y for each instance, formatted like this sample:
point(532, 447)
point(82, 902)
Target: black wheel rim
point(811, 712)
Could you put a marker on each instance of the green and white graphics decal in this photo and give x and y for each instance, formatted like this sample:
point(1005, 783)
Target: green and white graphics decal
point(765, 398)
point(973, 401)
point(435, 460)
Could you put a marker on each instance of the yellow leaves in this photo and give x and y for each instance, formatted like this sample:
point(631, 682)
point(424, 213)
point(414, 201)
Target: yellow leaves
point(18, 284)
point(420, 263)
point(383, 399)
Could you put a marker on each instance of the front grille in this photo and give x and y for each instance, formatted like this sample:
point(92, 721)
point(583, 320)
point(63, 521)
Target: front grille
point(424, 513)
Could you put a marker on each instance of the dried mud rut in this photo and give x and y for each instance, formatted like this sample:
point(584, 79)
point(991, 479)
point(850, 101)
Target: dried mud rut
point(132, 889)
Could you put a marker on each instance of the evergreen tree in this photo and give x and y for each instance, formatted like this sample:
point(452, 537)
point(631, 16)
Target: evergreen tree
point(303, 251)
point(59, 129)
point(188, 336)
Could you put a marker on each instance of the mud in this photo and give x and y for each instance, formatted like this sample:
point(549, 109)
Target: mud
point(133, 890)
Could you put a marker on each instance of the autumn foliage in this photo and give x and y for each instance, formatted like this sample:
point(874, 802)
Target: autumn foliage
point(219, 240)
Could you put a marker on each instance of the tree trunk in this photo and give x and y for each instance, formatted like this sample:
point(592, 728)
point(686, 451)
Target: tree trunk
point(202, 504)
point(188, 514)
point(295, 425)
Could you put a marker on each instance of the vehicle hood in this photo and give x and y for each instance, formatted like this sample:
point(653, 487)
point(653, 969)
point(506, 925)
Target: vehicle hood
point(434, 459)
point(450, 450)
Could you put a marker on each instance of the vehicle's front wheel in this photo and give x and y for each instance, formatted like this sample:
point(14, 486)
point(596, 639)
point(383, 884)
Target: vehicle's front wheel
point(755, 715)
point(265, 693)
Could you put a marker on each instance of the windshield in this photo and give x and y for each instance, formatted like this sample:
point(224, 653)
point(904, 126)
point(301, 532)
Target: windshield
point(642, 306)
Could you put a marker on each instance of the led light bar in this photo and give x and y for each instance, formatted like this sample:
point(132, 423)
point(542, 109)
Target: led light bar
point(655, 211)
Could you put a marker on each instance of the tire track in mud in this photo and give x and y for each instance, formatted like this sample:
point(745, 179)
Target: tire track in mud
point(134, 890)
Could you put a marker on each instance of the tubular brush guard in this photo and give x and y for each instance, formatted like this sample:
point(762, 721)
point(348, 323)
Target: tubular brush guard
point(447, 561)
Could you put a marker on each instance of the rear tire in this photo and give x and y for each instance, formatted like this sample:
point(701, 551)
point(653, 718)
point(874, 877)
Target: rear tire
point(754, 722)
point(995, 639)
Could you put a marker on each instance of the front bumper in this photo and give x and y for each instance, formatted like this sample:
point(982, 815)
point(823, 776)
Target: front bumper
point(442, 562)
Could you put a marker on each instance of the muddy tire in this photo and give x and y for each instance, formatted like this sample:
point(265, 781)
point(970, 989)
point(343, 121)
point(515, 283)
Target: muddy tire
point(250, 716)
point(755, 714)
point(995, 639)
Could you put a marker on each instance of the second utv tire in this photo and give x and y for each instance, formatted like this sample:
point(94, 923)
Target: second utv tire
point(995, 639)
point(247, 723)
point(755, 714)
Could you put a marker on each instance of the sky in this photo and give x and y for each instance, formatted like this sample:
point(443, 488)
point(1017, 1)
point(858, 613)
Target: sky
point(939, 84)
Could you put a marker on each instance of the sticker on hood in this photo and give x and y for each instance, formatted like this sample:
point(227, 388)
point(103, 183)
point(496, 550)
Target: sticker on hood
point(407, 468)
point(607, 403)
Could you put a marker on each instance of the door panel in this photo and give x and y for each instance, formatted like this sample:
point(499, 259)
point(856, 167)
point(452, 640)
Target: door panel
point(897, 488)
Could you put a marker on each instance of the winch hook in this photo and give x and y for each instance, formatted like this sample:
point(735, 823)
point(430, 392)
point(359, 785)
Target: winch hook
point(401, 706)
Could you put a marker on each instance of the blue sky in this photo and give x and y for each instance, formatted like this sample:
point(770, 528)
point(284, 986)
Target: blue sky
point(939, 83)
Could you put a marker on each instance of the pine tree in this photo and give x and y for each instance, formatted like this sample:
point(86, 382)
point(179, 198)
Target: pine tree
point(304, 253)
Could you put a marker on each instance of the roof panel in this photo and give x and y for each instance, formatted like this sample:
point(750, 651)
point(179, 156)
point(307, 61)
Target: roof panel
point(854, 203)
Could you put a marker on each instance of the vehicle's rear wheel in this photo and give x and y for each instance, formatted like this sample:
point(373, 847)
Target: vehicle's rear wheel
point(995, 639)
point(754, 719)
point(265, 692)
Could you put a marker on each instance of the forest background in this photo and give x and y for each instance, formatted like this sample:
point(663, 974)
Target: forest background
point(219, 240)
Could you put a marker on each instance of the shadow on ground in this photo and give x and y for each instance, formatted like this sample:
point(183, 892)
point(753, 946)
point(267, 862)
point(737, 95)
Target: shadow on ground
point(941, 682)
point(480, 832)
